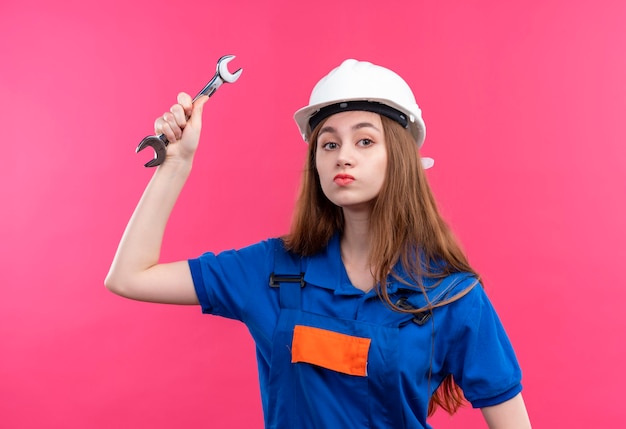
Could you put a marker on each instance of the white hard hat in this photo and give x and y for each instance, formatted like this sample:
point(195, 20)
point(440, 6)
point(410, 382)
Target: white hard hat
point(355, 81)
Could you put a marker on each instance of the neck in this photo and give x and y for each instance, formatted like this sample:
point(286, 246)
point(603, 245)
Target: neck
point(355, 240)
point(355, 250)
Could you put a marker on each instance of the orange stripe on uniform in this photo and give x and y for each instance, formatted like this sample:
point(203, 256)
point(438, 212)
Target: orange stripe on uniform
point(332, 350)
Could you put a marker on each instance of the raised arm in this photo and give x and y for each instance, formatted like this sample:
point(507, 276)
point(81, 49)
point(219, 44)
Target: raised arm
point(136, 272)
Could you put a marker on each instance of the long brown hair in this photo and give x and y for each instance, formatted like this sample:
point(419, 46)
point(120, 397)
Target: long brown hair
point(404, 222)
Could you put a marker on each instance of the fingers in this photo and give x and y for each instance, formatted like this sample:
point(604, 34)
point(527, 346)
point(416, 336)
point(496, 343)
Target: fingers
point(186, 102)
point(180, 115)
point(172, 123)
point(168, 126)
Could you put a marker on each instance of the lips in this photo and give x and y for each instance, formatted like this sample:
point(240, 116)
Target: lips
point(343, 179)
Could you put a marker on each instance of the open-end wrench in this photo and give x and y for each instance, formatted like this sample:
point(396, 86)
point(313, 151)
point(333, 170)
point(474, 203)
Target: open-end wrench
point(159, 143)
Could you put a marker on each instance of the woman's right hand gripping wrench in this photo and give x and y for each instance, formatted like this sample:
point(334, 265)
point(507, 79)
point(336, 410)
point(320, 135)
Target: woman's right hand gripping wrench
point(170, 126)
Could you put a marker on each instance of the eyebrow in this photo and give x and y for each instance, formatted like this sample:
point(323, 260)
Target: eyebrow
point(354, 127)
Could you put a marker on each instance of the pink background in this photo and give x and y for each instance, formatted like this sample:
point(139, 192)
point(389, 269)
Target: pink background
point(524, 103)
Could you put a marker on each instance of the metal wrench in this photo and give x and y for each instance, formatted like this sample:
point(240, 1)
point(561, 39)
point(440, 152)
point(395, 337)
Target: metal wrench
point(159, 143)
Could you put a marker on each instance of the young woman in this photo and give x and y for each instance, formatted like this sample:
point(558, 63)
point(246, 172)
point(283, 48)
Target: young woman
point(367, 314)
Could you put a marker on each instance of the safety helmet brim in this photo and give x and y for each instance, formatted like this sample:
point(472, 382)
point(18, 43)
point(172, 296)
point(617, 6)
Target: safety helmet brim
point(415, 124)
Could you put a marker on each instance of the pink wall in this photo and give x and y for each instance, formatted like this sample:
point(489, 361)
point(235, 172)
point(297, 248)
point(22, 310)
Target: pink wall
point(524, 102)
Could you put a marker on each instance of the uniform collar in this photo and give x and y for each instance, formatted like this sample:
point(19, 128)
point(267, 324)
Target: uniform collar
point(326, 270)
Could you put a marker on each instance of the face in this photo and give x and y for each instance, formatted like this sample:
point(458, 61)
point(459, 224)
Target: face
point(351, 158)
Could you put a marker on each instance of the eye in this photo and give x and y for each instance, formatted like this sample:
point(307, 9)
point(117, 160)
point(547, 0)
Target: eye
point(365, 142)
point(329, 145)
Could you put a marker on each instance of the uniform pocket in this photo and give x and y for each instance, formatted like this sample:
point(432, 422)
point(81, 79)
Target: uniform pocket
point(343, 353)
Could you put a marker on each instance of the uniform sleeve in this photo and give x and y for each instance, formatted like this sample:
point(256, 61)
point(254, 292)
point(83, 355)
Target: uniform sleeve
point(482, 359)
point(225, 282)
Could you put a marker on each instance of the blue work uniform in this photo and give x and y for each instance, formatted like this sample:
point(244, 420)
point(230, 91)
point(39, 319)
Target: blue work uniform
point(331, 355)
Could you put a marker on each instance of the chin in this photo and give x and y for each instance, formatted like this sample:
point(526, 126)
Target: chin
point(354, 205)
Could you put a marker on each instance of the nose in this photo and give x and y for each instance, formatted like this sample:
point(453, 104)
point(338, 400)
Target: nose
point(345, 156)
